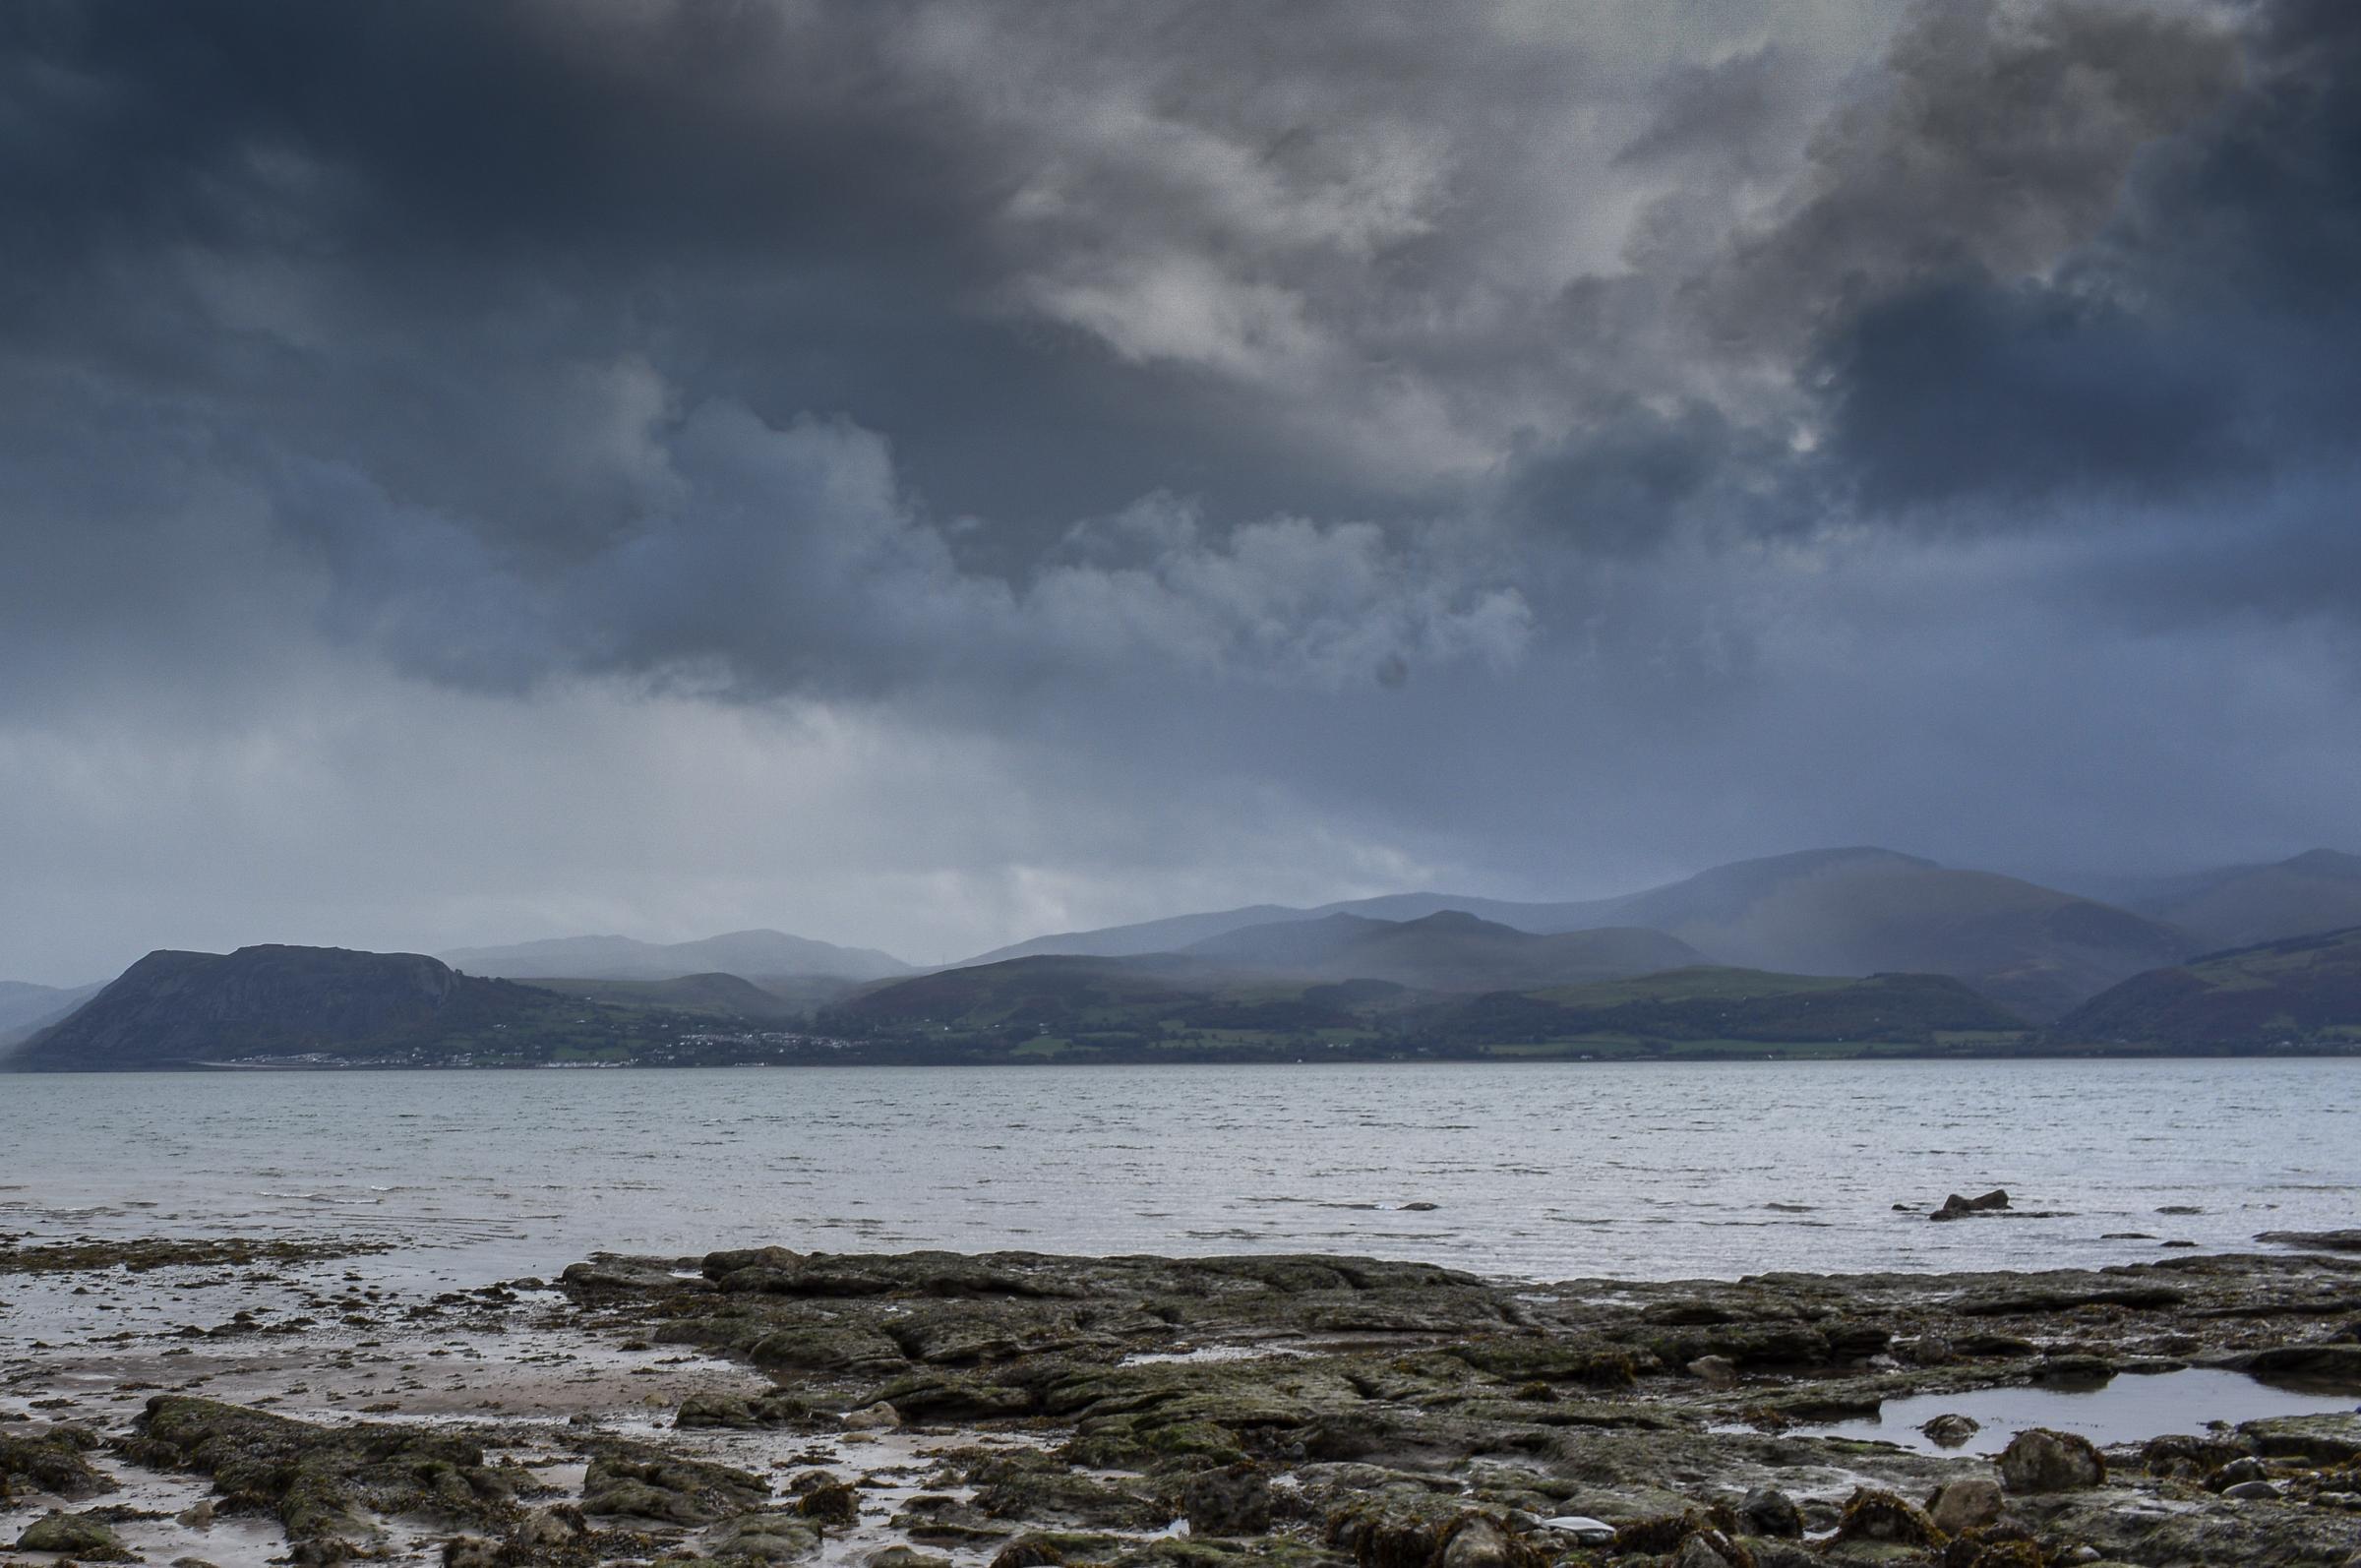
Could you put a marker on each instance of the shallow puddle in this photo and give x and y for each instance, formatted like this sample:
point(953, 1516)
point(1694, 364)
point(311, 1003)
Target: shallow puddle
point(2131, 1408)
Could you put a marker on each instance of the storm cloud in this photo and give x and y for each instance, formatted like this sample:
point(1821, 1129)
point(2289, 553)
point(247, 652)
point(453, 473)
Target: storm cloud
point(918, 475)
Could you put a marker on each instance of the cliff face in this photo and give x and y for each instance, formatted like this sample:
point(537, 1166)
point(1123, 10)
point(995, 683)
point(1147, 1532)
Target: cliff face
point(177, 1008)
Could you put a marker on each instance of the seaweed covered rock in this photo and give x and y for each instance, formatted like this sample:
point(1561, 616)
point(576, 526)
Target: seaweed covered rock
point(1965, 1505)
point(767, 1537)
point(1481, 1540)
point(1383, 1535)
point(1767, 1511)
point(712, 1408)
point(321, 1483)
point(51, 1463)
point(1710, 1548)
point(2182, 1455)
point(1039, 1489)
point(1874, 1514)
point(746, 1412)
point(1029, 1551)
point(2039, 1460)
point(1662, 1534)
point(1233, 1500)
point(2314, 1439)
point(932, 1396)
point(827, 1348)
point(828, 1501)
point(636, 1480)
point(74, 1535)
point(1995, 1547)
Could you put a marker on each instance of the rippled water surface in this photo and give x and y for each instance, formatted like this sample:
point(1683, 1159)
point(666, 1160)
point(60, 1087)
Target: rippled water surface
point(1538, 1171)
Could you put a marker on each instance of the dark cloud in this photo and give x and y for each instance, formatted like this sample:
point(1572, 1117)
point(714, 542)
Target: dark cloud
point(1627, 482)
point(1729, 112)
point(915, 471)
point(1994, 137)
point(2015, 394)
point(2187, 365)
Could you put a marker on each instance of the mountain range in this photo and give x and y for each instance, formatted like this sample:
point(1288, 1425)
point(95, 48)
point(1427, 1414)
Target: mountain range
point(1858, 911)
point(1752, 944)
point(752, 954)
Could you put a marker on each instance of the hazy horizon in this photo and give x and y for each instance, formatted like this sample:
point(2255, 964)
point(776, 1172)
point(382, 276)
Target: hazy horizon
point(2099, 890)
point(920, 478)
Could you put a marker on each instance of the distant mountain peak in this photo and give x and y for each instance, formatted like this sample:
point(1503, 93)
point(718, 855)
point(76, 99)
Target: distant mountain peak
point(1455, 920)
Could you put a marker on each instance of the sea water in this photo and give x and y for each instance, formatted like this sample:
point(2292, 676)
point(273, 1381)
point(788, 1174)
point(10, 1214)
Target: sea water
point(1536, 1171)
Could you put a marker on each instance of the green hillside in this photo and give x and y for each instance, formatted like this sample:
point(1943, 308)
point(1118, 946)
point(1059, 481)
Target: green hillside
point(1178, 1009)
point(2303, 993)
point(1725, 1012)
point(720, 996)
point(327, 1006)
point(1104, 999)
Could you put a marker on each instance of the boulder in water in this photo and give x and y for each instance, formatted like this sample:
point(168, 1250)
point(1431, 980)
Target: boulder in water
point(2314, 1240)
point(1950, 1429)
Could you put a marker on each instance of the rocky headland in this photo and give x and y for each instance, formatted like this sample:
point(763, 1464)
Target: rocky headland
point(1015, 1409)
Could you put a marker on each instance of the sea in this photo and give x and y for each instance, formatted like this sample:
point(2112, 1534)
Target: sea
point(1543, 1171)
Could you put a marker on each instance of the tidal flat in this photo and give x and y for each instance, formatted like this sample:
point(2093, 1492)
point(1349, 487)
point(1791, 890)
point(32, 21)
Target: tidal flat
point(242, 1404)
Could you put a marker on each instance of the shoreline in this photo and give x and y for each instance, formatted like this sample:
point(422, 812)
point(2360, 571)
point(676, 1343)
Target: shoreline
point(958, 1406)
point(2110, 1054)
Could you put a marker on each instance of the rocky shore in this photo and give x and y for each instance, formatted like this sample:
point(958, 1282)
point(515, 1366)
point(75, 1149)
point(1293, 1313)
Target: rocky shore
point(911, 1409)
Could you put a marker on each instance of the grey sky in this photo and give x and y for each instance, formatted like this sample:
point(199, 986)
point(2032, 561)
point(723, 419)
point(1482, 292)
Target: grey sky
point(918, 474)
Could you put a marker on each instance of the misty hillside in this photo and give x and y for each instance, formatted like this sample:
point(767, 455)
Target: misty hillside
point(1447, 951)
point(25, 1009)
point(1023, 989)
point(180, 1008)
point(1731, 895)
point(1857, 912)
point(2298, 990)
point(744, 952)
point(1171, 935)
point(1854, 911)
point(1181, 931)
point(2238, 906)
